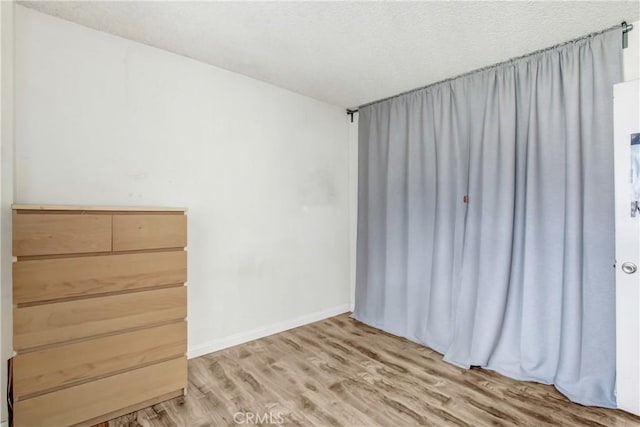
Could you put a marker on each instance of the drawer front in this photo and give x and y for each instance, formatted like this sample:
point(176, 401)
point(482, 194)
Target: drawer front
point(50, 279)
point(65, 365)
point(42, 234)
point(136, 232)
point(63, 321)
point(90, 400)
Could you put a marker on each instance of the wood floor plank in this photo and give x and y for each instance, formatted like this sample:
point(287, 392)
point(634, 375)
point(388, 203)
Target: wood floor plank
point(339, 372)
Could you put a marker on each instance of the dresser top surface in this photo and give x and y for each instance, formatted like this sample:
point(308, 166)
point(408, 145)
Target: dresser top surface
point(32, 207)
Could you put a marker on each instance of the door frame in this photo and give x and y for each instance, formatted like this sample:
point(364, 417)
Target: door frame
point(627, 234)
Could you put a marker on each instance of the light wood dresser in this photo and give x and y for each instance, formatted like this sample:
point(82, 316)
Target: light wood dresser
point(100, 305)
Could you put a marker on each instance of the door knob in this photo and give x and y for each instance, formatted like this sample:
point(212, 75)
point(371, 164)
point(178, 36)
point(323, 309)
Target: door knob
point(629, 267)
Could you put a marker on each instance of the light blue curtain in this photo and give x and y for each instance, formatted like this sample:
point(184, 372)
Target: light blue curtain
point(520, 279)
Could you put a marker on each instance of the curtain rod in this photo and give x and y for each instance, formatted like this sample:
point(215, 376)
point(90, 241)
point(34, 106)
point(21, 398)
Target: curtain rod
point(625, 43)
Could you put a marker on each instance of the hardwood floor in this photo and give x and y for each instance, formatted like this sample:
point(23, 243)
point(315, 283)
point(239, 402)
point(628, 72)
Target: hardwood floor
point(339, 372)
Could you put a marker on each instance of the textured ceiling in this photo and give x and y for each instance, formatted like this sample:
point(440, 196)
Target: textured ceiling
point(347, 53)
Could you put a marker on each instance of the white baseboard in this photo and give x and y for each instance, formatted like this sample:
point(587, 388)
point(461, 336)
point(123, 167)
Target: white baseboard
point(4, 423)
point(264, 331)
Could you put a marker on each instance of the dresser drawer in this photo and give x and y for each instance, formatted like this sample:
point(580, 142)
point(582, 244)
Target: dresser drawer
point(50, 279)
point(84, 402)
point(136, 232)
point(63, 321)
point(52, 234)
point(65, 365)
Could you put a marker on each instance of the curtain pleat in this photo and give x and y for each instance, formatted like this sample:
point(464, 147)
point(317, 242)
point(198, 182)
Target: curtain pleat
point(520, 278)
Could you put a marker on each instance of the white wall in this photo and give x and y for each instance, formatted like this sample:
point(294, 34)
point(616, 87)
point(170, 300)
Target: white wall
point(263, 171)
point(6, 193)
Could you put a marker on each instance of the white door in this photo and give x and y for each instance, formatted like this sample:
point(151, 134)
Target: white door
point(627, 130)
